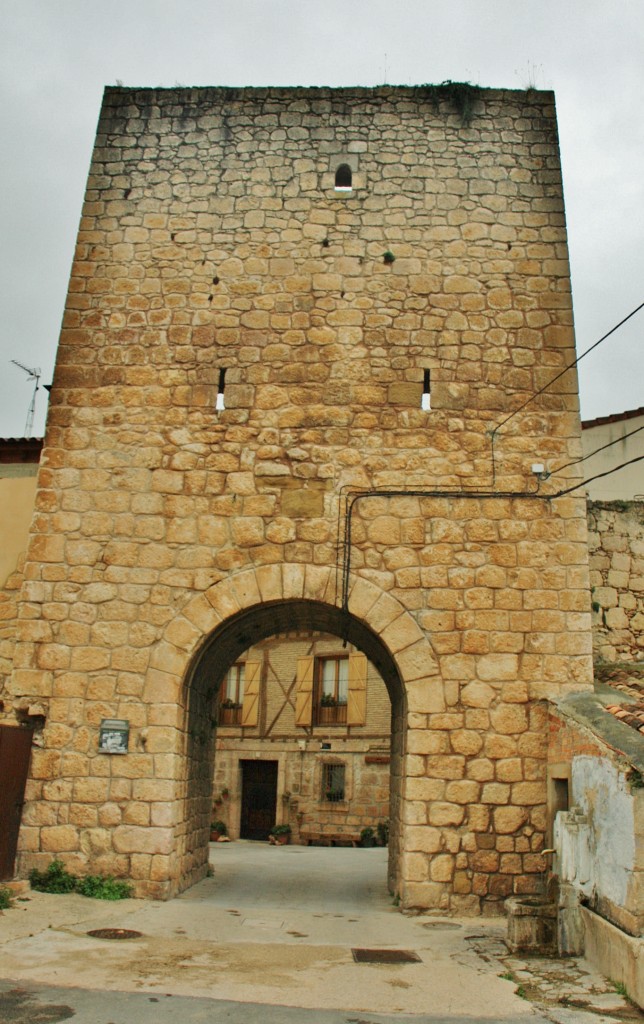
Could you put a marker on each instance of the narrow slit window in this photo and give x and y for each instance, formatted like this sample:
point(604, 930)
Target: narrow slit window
point(426, 402)
point(343, 178)
point(220, 404)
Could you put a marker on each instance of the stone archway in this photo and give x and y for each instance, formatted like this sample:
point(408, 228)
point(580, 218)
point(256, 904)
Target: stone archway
point(218, 625)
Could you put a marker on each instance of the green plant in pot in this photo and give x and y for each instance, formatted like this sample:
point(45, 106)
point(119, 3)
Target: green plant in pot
point(382, 830)
point(367, 836)
point(217, 828)
point(279, 835)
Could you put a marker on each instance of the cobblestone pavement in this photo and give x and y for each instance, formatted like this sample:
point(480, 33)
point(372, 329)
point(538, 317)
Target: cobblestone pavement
point(565, 991)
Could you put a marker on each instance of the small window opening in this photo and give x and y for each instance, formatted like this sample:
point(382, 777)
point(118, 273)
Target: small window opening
point(333, 783)
point(343, 178)
point(561, 792)
point(425, 402)
point(220, 404)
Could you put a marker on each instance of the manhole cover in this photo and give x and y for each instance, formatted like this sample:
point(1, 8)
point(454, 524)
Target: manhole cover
point(442, 926)
point(114, 933)
point(385, 956)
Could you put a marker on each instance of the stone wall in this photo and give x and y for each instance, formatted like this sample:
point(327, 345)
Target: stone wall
point(616, 545)
point(168, 536)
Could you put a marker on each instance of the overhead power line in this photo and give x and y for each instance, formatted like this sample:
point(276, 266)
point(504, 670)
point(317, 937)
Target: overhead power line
point(566, 368)
point(597, 476)
point(603, 448)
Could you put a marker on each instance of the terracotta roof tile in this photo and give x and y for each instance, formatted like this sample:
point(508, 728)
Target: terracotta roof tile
point(630, 714)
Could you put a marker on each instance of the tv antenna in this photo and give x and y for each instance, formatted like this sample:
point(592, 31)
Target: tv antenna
point(33, 373)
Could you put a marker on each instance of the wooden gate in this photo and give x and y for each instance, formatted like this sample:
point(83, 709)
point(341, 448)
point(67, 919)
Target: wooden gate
point(15, 749)
point(259, 798)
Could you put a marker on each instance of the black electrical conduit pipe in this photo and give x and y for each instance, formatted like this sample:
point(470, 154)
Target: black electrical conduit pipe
point(352, 498)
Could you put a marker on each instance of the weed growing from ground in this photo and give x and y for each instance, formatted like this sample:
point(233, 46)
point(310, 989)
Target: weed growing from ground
point(101, 887)
point(55, 879)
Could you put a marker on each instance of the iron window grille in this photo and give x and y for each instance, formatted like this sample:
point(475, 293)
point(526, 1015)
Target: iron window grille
point(333, 783)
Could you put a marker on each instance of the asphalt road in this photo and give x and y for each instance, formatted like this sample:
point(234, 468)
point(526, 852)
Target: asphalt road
point(37, 1004)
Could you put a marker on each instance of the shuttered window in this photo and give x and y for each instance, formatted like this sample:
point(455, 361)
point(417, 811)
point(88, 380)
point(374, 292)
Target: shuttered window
point(304, 692)
point(357, 703)
point(250, 706)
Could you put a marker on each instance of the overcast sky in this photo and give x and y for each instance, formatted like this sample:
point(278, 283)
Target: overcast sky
point(57, 55)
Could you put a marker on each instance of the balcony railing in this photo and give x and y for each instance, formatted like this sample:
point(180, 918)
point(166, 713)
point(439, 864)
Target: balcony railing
point(332, 714)
point(230, 716)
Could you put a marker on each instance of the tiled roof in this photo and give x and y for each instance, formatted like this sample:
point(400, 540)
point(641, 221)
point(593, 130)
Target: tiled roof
point(20, 449)
point(615, 417)
point(628, 680)
point(629, 714)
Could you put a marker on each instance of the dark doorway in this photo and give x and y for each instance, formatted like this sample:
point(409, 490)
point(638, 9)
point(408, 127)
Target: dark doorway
point(259, 799)
point(15, 749)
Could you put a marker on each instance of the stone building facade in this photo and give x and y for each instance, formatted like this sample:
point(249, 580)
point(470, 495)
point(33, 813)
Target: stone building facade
point(295, 391)
point(303, 739)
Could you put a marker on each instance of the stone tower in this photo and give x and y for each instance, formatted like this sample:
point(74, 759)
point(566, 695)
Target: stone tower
point(295, 390)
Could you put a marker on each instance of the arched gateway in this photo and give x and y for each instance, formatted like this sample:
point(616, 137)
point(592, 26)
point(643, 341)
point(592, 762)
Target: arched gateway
point(221, 624)
point(279, 404)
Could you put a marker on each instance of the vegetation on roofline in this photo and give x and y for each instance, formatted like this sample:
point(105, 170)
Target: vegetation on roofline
point(461, 96)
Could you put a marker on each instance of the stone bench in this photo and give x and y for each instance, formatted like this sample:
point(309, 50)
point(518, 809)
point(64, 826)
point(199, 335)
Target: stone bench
point(307, 838)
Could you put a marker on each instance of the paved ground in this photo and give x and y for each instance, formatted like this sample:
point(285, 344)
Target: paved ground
point(269, 937)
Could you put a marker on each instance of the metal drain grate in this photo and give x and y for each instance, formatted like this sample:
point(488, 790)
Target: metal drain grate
point(114, 933)
point(385, 956)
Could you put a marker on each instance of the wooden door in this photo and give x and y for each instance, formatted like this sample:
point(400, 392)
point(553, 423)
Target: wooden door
point(15, 750)
point(259, 799)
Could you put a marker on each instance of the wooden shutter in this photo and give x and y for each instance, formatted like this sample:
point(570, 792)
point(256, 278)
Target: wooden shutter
point(304, 694)
point(250, 706)
point(357, 703)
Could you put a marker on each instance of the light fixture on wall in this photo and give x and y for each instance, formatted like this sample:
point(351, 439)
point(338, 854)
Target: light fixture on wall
point(539, 470)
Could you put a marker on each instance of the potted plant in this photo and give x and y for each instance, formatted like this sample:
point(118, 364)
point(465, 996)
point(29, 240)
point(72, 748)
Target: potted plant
point(334, 796)
point(382, 829)
point(279, 835)
point(327, 700)
point(367, 837)
point(217, 828)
